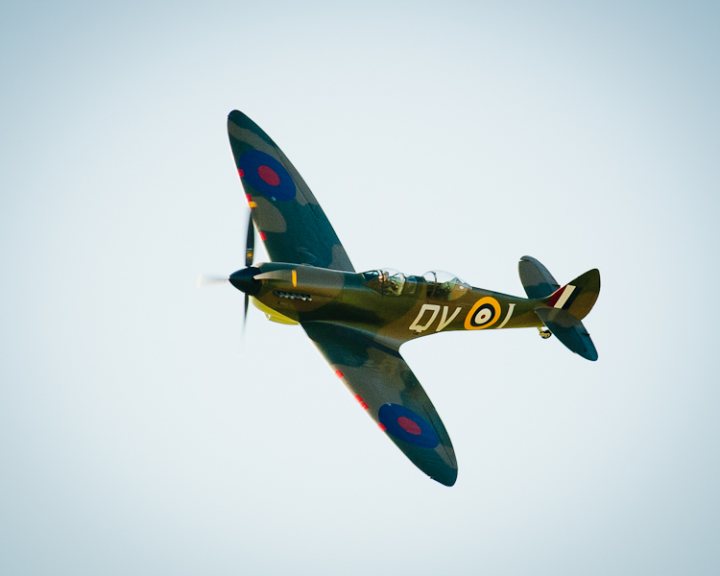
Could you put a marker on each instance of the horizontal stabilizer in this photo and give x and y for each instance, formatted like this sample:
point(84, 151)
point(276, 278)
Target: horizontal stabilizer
point(535, 278)
point(569, 330)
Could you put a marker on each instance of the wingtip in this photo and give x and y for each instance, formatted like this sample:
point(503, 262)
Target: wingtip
point(447, 480)
point(447, 475)
point(236, 117)
point(240, 119)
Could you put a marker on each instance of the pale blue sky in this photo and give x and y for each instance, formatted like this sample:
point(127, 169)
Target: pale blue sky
point(139, 432)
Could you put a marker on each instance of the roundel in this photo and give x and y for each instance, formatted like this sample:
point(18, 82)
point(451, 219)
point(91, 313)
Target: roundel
point(266, 175)
point(484, 313)
point(404, 424)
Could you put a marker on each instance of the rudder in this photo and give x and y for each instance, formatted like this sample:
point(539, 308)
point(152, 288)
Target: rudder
point(561, 308)
point(577, 296)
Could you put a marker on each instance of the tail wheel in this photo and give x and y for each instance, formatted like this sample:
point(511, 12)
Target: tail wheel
point(544, 333)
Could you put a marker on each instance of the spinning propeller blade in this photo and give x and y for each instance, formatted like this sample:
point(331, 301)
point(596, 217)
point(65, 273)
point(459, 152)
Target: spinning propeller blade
point(250, 242)
point(210, 279)
point(249, 257)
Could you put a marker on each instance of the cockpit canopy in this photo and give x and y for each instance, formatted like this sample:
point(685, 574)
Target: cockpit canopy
point(440, 285)
point(390, 282)
point(444, 285)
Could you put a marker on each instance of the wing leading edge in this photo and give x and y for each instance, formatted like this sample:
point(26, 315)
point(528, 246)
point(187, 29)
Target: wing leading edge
point(386, 387)
point(291, 223)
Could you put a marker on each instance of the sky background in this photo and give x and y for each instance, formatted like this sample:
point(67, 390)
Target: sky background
point(140, 433)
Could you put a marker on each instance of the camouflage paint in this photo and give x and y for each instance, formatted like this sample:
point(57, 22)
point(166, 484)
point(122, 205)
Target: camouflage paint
point(359, 320)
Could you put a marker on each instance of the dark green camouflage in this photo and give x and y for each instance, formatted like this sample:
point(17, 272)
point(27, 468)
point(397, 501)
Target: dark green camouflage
point(359, 321)
point(294, 231)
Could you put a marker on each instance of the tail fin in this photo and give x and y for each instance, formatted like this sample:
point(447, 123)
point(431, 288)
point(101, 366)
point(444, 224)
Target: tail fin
point(562, 307)
point(577, 296)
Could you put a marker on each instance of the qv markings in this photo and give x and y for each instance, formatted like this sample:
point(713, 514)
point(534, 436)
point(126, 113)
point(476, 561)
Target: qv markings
point(428, 314)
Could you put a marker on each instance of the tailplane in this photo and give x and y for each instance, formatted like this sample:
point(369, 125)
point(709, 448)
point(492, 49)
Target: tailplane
point(561, 308)
point(569, 330)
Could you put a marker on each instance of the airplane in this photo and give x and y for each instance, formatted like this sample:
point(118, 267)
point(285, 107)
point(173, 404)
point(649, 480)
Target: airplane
point(359, 320)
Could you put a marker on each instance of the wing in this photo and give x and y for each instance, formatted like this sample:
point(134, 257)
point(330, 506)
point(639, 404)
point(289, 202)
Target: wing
point(290, 221)
point(386, 387)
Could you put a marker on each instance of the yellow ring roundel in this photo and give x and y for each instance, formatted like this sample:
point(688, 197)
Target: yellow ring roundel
point(484, 313)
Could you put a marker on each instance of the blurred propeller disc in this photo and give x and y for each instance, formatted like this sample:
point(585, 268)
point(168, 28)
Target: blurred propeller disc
point(210, 280)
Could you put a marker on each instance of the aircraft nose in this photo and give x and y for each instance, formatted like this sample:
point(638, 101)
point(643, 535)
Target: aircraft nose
point(244, 280)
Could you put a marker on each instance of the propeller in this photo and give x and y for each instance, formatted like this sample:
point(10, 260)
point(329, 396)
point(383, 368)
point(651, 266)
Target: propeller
point(243, 279)
point(250, 242)
point(249, 256)
point(210, 280)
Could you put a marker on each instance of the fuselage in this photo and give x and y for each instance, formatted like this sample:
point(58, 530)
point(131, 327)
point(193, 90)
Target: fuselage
point(392, 306)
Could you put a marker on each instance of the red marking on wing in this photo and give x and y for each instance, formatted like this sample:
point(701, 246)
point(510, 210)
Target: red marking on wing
point(361, 401)
point(268, 175)
point(339, 373)
point(382, 426)
point(241, 172)
point(263, 236)
point(409, 426)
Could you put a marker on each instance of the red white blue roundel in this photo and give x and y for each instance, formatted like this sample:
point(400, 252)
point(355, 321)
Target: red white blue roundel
point(406, 425)
point(266, 175)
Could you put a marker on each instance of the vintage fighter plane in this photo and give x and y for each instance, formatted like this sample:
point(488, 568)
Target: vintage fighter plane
point(360, 320)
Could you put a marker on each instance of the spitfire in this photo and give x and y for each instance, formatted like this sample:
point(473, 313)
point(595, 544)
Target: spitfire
point(359, 320)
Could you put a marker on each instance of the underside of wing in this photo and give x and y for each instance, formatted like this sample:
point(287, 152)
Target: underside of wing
point(386, 387)
point(290, 221)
